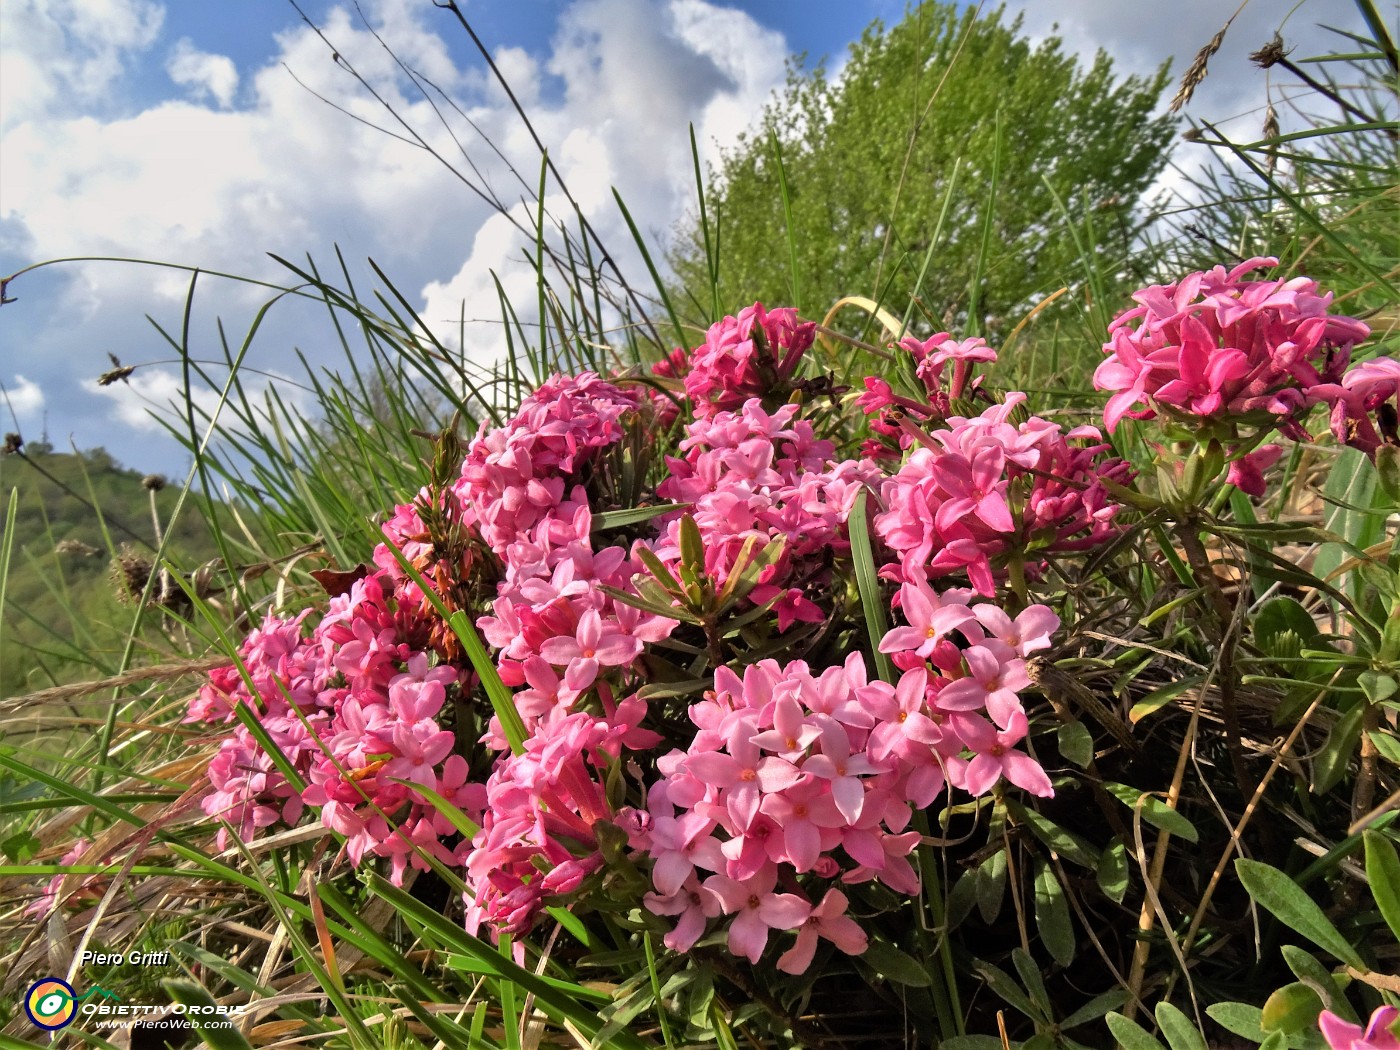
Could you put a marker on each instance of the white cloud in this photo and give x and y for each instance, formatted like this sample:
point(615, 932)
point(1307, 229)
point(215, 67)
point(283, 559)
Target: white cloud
point(205, 74)
point(161, 390)
point(258, 164)
point(67, 54)
point(24, 396)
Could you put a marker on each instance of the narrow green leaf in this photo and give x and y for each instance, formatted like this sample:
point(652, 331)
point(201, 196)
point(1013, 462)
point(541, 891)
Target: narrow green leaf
point(1052, 918)
point(216, 1030)
point(1096, 1008)
point(1383, 873)
point(1274, 891)
point(617, 519)
point(1154, 811)
point(1064, 842)
point(868, 581)
point(1112, 872)
point(1179, 1030)
point(1131, 1035)
point(895, 965)
point(991, 886)
point(1000, 982)
point(1076, 743)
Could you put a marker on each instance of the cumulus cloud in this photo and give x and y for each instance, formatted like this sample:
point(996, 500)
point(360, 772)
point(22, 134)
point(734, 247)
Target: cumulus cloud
point(203, 73)
point(1138, 37)
point(162, 391)
point(66, 55)
point(24, 397)
point(251, 165)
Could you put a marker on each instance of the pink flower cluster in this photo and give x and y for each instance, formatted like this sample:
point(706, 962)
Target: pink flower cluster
point(1368, 390)
point(751, 475)
point(794, 773)
point(560, 639)
point(353, 708)
point(517, 475)
point(752, 355)
point(796, 780)
point(1214, 346)
point(979, 487)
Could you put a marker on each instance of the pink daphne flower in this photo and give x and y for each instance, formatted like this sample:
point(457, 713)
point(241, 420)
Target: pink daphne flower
point(1379, 1033)
point(594, 645)
point(1368, 390)
point(995, 756)
point(756, 910)
point(828, 919)
point(1215, 346)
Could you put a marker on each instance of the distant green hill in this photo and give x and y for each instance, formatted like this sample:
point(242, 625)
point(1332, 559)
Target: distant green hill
point(63, 619)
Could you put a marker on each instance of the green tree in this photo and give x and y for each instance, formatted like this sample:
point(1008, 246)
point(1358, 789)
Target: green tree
point(869, 159)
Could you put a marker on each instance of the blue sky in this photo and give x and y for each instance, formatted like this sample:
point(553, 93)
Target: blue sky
point(172, 129)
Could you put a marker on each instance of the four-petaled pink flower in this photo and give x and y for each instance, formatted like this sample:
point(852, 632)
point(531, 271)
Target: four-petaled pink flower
point(828, 919)
point(757, 909)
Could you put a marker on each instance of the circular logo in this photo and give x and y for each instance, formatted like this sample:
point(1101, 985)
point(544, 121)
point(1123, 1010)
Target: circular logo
point(50, 1004)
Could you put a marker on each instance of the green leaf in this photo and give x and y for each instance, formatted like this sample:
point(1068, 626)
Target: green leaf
point(1066, 843)
point(1388, 471)
point(894, 965)
point(1377, 686)
point(1052, 919)
point(1096, 1008)
point(1319, 979)
point(1162, 696)
point(1031, 980)
point(617, 519)
point(1292, 1008)
point(1000, 982)
point(1281, 616)
point(991, 886)
point(1179, 1030)
point(1154, 811)
point(971, 1042)
point(216, 1031)
point(868, 583)
point(1274, 891)
point(1356, 509)
point(1076, 743)
point(1386, 744)
point(1112, 873)
point(1244, 1021)
point(1131, 1035)
point(1331, 761)
point(1383, 873)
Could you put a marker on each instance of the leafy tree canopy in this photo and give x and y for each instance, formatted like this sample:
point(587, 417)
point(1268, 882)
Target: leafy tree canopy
point(943, 106)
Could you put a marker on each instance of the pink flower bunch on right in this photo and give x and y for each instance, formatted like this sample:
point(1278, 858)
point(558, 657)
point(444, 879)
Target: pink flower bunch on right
point(1215, 346)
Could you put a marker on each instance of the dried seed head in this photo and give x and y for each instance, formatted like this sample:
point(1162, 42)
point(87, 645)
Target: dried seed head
point(1198, 70)
point(71, 546)
point(111, 376)
point(1192, 135)
point(153, 482)
point(1271, 122)
point(13, 443)
point(1270, 54)
point(130, 573)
